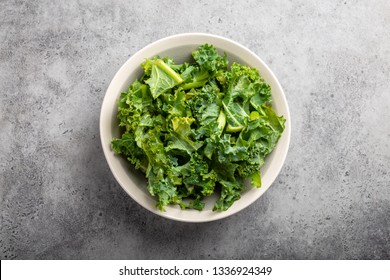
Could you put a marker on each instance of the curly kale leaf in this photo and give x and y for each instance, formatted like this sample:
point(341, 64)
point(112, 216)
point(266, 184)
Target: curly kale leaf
point(208, 58)
point(194, 77)
point(230, 192)
point(162, 77)
point(245, 85)
point(181, 137)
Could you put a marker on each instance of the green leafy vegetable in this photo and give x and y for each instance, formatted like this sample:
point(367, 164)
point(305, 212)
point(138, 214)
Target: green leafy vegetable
point(197, 128)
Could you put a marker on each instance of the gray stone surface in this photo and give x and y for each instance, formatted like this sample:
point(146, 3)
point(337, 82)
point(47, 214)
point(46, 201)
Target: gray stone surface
point(59, 199)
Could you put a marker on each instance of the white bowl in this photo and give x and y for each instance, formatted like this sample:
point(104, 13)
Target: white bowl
point(179, 47)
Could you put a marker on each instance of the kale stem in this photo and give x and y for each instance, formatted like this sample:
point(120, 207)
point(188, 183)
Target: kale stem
point(165, 67)
point(194, 85)
point(221, 121)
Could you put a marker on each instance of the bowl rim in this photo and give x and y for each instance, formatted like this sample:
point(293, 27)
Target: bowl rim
point(216, 215)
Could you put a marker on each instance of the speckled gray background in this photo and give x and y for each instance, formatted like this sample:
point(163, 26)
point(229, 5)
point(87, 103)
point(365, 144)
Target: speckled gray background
point(59, 199)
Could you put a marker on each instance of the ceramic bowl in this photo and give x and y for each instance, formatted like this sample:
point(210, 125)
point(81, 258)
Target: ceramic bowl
point(179, 47)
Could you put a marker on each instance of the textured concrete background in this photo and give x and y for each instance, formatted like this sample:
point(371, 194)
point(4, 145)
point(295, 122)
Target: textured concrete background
point(59, 199)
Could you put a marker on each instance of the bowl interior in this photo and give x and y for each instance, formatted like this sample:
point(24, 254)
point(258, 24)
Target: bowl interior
point(179, 47)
